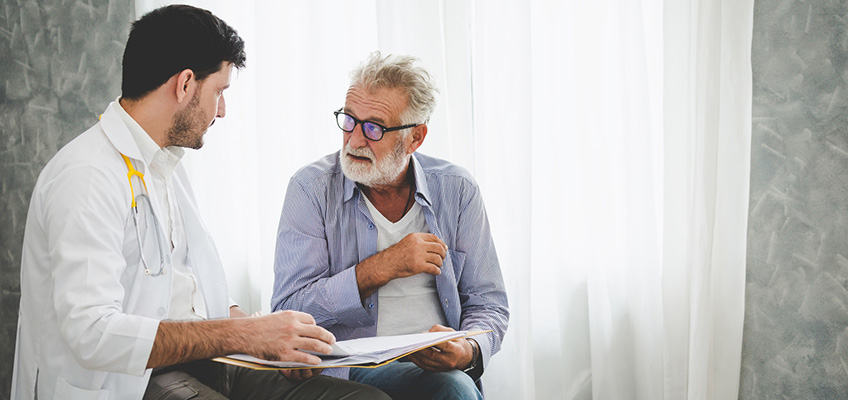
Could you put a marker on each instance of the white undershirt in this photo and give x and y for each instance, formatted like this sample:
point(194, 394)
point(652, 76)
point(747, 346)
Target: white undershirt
point(411, 304)
point(186, 300)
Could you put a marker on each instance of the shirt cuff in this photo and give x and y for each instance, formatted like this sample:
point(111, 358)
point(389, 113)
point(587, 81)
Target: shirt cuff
point(343, 293)
point(144, 346)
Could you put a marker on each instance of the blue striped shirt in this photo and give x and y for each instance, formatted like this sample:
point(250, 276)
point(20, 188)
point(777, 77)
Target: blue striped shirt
point(326, 229)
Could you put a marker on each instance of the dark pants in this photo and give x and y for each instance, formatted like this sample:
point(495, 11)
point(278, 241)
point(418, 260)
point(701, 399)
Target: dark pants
point(207, 379)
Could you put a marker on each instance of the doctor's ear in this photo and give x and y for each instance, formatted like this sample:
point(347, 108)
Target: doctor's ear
point(185, 84)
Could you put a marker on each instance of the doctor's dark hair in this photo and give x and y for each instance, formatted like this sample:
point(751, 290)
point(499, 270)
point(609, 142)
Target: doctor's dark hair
point(171, 39)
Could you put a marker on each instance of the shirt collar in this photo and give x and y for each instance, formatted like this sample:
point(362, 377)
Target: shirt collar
point(421, 188)
point(163, 160)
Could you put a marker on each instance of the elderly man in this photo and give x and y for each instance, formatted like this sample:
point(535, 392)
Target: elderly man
point(379, 240)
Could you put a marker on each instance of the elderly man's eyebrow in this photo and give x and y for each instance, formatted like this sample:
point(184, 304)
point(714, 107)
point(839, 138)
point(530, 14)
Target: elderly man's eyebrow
point(375, 119)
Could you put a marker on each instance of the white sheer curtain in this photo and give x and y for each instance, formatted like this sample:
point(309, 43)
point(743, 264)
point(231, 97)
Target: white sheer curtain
point(611, 142)
point(707, 117)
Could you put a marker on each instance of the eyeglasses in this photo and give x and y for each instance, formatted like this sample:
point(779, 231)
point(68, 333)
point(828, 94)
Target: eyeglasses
point(371, 130)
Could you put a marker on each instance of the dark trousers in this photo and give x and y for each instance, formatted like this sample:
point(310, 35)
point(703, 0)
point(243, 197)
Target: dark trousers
point(206, 379)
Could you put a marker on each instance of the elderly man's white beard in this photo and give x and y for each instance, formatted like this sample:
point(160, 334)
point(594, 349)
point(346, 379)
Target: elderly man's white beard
point(375, 173)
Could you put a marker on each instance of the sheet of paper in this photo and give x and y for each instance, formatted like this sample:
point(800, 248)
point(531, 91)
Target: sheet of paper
point(383, 343)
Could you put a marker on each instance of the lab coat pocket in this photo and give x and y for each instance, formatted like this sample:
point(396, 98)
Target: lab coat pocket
point(65, 390)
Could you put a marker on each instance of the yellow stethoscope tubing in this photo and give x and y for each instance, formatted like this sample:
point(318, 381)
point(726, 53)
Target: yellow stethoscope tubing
point(133, 172)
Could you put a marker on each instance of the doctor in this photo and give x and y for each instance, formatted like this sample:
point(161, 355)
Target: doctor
point(122, 292)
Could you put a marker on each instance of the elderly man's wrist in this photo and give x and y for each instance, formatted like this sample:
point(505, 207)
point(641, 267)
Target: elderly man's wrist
point(475, 353)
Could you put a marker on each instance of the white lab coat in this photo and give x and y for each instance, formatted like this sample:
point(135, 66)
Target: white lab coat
point(88, 313)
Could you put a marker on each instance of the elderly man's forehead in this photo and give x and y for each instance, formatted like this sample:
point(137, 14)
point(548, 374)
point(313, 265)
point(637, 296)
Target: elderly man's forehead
point(379, 103)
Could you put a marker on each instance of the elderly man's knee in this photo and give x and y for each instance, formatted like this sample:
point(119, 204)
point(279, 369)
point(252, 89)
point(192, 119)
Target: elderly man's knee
point(454, 384)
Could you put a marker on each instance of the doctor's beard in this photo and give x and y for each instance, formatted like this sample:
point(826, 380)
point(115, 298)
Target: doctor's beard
point(187, 128)
point(377, 172)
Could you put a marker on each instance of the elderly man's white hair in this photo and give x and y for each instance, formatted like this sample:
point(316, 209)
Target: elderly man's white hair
point(403, 72)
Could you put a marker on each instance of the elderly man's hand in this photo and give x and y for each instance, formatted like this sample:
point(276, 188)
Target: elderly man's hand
point(414, 254)
point(454, 354)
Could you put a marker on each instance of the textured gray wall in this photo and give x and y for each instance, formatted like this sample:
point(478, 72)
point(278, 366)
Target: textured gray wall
point(796, 316)
point(60, 65)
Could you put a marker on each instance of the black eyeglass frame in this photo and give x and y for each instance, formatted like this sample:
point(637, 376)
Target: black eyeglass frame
point(357, 121)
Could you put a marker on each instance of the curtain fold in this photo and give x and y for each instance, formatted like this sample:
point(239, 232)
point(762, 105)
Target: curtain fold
point(610, 139)
point(707, 154)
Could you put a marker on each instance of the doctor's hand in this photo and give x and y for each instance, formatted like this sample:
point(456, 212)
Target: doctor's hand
point(282, 335)
point(454, 354)
point(414, 254)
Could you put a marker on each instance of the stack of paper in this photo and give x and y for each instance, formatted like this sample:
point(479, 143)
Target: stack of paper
point(366, 352)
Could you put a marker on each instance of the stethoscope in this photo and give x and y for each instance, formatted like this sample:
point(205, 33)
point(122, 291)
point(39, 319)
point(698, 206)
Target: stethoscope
point(134, 205)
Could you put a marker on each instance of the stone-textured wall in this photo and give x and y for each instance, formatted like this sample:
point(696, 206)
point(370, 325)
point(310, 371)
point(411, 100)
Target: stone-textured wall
point(796, 313)
point(60, 65)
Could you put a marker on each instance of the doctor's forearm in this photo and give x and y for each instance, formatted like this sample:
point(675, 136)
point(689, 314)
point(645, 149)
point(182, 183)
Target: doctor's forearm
point(279, 336)
point(184, 341)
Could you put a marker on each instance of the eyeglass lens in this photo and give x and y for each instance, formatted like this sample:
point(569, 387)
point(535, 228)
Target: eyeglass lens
point(371, 130)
